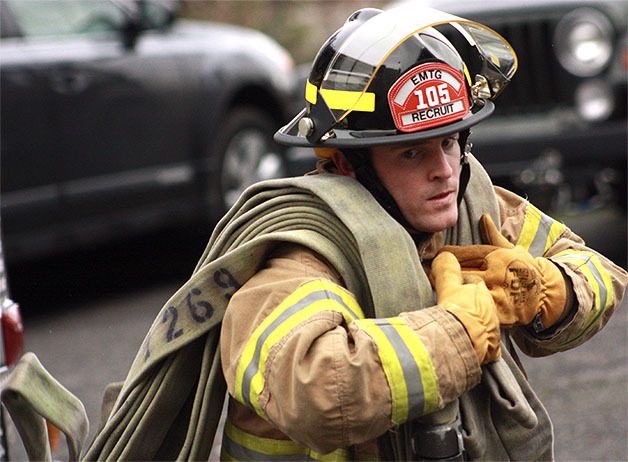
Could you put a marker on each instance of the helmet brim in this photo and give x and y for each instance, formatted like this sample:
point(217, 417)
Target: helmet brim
point(289, 134)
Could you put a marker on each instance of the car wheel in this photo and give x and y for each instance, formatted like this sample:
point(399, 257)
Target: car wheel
point(244, 153)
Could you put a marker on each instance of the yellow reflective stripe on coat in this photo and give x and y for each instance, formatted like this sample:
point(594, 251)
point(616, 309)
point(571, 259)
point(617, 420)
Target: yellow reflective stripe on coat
point(240, 445)
point(539, 231)
point(342, 99)
point(308, 300)
point(407, 365)
point(598, 278)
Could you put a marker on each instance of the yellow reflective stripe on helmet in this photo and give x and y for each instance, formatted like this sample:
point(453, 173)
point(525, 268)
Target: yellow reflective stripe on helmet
point(240, 445)
point(407, 365)
point(308, 300)
point(596, 275)
point(539, 231)
point(342, 99)
point(310, 92)
point(467, 75)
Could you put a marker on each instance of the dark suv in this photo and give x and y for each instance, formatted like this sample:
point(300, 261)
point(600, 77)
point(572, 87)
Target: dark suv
point(117, 117)
point(558, 134)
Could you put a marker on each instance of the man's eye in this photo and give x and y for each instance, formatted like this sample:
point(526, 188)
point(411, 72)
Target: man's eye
point(409, 154)
point(449, 142)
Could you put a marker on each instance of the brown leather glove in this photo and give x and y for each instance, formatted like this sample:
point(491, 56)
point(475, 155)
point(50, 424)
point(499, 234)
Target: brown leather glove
point(470, 303)
point(525, 288)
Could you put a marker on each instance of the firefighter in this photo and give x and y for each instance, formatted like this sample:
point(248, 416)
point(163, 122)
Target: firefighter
point(421, 364)
point(368, 310)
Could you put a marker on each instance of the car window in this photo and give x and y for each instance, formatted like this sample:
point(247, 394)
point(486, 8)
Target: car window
point(38, 18)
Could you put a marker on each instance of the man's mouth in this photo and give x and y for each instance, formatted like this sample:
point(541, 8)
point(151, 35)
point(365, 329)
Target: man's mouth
point(440, 196)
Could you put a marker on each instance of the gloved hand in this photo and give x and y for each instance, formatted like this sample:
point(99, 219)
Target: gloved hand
point(470, 303)
point(521, 285)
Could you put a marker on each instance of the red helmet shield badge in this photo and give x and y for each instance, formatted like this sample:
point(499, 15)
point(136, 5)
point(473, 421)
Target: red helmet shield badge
point(427, 96)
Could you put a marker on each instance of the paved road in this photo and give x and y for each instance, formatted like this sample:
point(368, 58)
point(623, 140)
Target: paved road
point(86, 315)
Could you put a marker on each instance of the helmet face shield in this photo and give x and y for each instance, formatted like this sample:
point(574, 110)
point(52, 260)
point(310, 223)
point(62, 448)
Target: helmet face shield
point(397, 77)
point(498, 61)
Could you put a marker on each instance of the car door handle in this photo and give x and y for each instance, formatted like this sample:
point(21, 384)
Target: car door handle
point(68, 82)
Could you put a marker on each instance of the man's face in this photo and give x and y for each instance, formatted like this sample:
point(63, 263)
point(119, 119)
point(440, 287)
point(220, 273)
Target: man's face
point(423, 179)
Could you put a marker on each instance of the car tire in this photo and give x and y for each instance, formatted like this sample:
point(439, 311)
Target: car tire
point(243, 153)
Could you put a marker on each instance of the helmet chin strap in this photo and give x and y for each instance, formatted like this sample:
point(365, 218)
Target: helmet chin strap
point(360, 160)
point(465, 171)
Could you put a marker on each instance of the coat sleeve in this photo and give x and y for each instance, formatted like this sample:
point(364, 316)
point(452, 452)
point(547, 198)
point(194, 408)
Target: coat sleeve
point(597, 284)
point(297, 350)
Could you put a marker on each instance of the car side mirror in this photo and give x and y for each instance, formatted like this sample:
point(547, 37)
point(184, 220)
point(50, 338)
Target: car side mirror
point(131, 30)
point(147, 15)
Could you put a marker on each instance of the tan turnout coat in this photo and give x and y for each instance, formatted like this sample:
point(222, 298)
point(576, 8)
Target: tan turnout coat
point(325, 386)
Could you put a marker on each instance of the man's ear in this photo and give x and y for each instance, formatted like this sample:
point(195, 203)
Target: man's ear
point(342, 164)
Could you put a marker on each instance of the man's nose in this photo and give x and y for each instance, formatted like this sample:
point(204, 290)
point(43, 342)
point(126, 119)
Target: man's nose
point(439, 165)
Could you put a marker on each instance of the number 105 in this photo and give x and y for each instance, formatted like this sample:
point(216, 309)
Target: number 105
point(432, 96)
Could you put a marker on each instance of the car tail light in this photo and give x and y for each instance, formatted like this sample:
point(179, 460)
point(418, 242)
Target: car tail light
point(54, 434)
point(12, 333)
